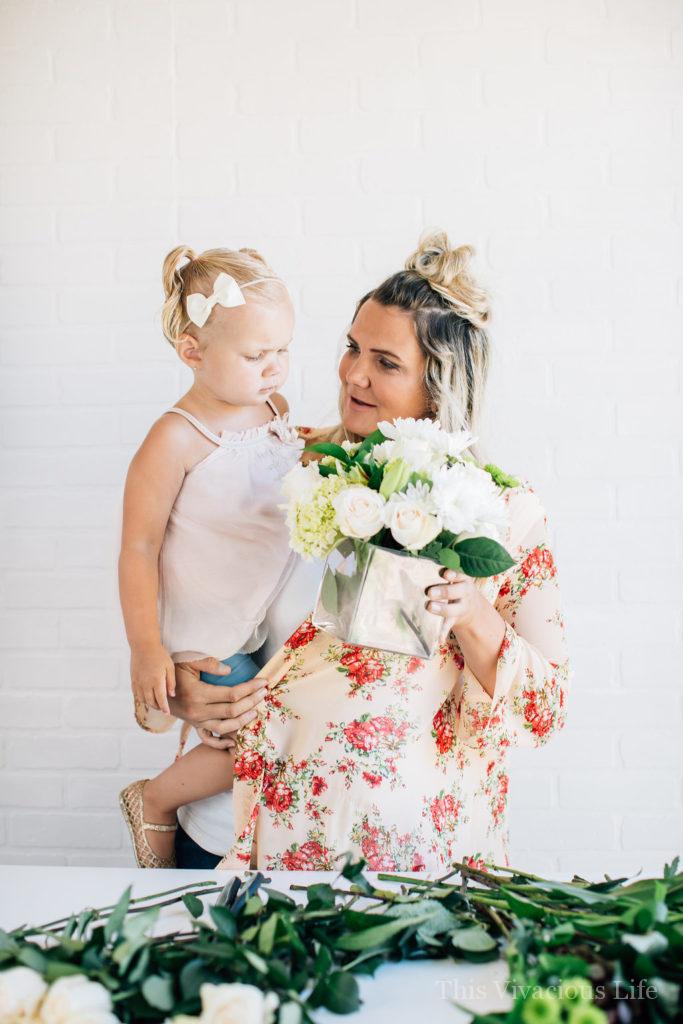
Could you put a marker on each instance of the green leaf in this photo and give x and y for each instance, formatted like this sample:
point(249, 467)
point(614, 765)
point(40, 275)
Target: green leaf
point(335, 450)
point(341, 994)
point(257, 962)
point(482, 556)
point(192, 976)
point(577, 892)
point(449, 558)
point(473, 940)
point(321, 896)
point(158, 991)
point(376, 437)
point(117, 916)
point(328, 592)
point(525, 908)
point(29, 956)
point(328, 470)
point(266, 938)
point(369, 938)
point(224, 920)
point(323, 962)
point(58, 969)
point(135, 925)
point(193, 904)
point(279, 900)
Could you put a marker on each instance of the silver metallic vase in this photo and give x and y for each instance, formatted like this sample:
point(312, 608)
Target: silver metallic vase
point(375, 597)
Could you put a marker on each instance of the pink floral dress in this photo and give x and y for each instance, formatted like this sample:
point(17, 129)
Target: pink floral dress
point(396, 759)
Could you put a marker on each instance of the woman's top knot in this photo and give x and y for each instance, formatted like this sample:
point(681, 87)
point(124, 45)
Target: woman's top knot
point(446, 270)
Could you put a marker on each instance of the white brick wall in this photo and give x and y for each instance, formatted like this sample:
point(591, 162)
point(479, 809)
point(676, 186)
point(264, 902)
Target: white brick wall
point(549, 135)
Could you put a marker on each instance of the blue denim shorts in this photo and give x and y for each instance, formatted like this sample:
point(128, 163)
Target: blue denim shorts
point(243, 668)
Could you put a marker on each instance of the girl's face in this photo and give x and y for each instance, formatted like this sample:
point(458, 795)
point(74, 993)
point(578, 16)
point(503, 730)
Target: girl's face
point(382, 370)
point(242, 356)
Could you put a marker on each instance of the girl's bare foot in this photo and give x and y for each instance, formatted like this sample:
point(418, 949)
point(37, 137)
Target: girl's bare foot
point(162, 843)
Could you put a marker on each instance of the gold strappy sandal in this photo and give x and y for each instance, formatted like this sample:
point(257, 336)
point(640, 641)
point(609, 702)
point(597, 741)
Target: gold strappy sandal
point(130, 802)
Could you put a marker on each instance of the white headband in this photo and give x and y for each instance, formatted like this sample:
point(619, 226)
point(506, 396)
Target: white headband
point(226, 292)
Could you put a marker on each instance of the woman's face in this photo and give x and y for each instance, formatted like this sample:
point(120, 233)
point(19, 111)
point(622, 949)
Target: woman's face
point(382, 370)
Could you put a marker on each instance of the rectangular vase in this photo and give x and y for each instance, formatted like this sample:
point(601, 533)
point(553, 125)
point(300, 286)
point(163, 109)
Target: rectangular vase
point(375, 597)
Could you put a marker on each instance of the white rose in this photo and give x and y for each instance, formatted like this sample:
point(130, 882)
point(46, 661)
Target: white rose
point(75, 999)
point(411, 518)
point(301, 483)
point(21, 990)
point(236, 1004)
point(360, 511)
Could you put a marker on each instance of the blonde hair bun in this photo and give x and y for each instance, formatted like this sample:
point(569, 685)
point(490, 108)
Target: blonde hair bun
point(446, 270)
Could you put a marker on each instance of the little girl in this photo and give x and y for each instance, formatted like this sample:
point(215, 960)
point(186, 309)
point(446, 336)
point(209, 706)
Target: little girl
point(204, 547)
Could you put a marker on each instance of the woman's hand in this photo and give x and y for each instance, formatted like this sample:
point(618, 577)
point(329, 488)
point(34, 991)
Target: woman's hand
point(215, 709)
point(457, 600)
point(152, 676)
point(478, 626)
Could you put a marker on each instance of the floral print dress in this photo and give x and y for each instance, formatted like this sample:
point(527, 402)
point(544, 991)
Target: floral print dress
point(396, 759)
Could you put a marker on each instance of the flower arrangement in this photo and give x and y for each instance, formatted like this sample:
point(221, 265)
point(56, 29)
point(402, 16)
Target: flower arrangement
point(579, 952)
point(409, 486)
point(409, 489)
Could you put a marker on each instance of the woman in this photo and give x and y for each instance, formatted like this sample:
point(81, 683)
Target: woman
point(400, 760)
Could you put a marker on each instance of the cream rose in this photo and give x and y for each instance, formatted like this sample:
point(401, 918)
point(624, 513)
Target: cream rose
point(75, 999)
point(21, 990)
point(236, 1004)
point(360, 511)
point(411, 521)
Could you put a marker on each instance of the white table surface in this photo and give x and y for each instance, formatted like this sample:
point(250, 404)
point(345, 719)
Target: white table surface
point(404, 992)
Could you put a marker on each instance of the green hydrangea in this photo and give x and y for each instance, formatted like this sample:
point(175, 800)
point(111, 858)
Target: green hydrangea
point(313, 524)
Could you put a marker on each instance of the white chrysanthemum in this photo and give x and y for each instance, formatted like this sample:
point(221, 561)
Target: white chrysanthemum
point(412, 518)
point(423, 444)
point(360, 511)
point(410, 429)
point(21, 990)
point(301, 482)
point(468, 501)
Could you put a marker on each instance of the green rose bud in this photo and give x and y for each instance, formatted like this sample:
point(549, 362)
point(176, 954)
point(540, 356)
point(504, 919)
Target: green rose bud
point(356, 475)
point(573, 991)
point(542, 1007)
point(584, 1014)
point(396, 476)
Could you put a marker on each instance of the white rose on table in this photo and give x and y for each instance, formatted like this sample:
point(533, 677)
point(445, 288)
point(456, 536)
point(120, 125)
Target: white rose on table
point(21, 990)
point(411, 518)
point(360, 511)
point(233, 1004)
point(76, 999)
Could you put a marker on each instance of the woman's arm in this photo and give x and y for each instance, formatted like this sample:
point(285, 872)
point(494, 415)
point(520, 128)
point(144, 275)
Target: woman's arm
point(516, 673)
point(154, 479)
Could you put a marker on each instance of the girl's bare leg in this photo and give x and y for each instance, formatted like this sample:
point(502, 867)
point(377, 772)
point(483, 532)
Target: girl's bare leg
point(202, 772)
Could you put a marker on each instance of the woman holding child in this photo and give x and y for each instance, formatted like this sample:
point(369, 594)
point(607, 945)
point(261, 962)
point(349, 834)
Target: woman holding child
point(400, 760)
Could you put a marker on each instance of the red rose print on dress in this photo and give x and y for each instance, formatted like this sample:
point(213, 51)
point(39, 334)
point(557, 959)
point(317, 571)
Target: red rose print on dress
point(248, 765)
point(302, 636)
point(277, 797)
point(372, 746)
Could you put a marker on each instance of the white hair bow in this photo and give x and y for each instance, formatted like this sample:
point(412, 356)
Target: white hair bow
point(226, 292)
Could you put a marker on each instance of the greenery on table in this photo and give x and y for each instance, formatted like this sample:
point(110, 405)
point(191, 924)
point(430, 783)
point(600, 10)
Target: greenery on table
point(581, 952)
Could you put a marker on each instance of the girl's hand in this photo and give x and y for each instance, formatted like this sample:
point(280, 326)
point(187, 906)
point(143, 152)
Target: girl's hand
point(457, 600)
point(152, 676)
